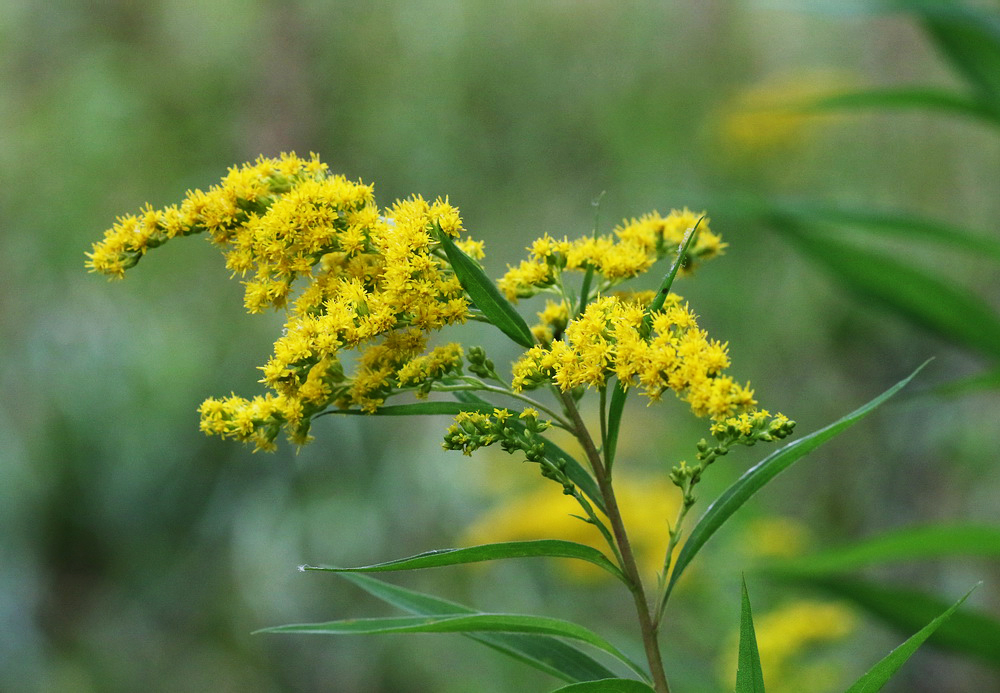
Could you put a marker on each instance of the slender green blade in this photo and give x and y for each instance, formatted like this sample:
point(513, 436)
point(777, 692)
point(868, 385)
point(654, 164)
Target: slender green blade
point(970, 39)
point(969, 633)
point(877, 676)
point(485, 294)
point(924, 298)
point(607, 686)
point(906, 98)
point(552, 548)
point(615, 412)
point(546, 653)
point(758, 476)
point(574, 470)
point(893, 224)
point(461, 623)
point(749, 676)
point(913, 543)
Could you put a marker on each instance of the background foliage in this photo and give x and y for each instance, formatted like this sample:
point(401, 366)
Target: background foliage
point(136, 553)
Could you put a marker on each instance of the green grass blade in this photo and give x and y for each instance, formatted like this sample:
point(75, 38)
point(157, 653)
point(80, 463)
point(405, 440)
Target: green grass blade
point(969, 633)
point(749, 676)
point(970, 39)
point(924, 298)
point(615, 412)
point(546, 653)
point(485, 294)
point(551, 548)
point(906, 98)
point(893, 224)
point(914, 543)
point(462, 623)
point(877, 676)
point(758, 476)
point(607, 686)
point(574, 470)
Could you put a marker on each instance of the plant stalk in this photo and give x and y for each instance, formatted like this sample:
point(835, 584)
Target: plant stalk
point(628, 564)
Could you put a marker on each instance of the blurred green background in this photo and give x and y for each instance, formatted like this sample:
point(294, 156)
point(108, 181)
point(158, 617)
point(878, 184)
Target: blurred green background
point(135, 554)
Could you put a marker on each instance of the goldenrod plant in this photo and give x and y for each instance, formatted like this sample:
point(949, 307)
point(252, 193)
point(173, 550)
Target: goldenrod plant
point(366, 289)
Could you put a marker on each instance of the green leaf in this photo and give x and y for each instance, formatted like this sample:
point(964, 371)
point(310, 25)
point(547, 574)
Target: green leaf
point(969, 633)
point(926, 299)
point(461, 623)
point(914, 543)
point(485, 294)
point(906, 97)
point(877, 676)
point(420, 409)
point(970, 38)
point(551, 655)
point(615, 412)
point(574, 470)
point(758, 476)
point(883, 223)
point(749, 676)
point(607, 686)
point(554, 548)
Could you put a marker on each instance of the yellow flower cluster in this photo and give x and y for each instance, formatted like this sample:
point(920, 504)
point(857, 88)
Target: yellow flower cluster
point(632, 249)
point(669, 352)
point(367, 279)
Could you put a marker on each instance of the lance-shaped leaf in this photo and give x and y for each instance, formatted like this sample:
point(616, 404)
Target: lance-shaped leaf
point(551, 548)
point(607, 686)
point(615, 412)
point(485, 294)
point(906, 98)
point(912, 543)
point(970, 38)
point(930, 301)
point(544, 652)
point(758, 476)
point(749, 676)
point(969, 633)
point(877, 676)
point(462, 623)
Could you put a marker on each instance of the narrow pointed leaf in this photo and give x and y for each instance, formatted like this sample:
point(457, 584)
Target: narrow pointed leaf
point(486, 295)
point(877, 676)
point(972, 634)
point(553, 548)
point(758, 476)
point(574, 470)
point(749, 676)
point(907, 98)
point(544, 652)
point(607, 686)
point(615, 412)
point(893, 224)
point(913, 543)
point(970, 38)
point(461, 623)
point(926, 299)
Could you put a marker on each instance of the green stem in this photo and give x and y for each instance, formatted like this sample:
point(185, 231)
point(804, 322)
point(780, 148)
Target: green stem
point(628, 563)
point(675, 536)
point(476, 385)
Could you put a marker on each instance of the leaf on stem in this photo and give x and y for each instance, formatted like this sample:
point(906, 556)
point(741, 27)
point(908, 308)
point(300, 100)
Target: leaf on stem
point(758, 476)
point(544, 652)
point(906, 97)
point(749, 676)
point(462, 623)
point(972, 634)
point(912, 543)
point(607, 686)
point(485, 294)
point(420, 409)
point(877, 676)
point(615, 412)
point(551, 548)
point(925, 298)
